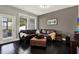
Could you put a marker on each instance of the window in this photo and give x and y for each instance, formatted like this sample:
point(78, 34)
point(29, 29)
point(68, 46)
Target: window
point(32, 23)
point(27, 22)
point(23, 24)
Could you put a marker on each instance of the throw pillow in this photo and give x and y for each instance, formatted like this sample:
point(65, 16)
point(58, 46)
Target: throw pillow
point(44, 31)
point(23, 34)
point(53, 35)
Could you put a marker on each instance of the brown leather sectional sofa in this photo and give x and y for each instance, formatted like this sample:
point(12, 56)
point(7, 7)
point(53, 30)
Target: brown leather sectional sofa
point(31, 33)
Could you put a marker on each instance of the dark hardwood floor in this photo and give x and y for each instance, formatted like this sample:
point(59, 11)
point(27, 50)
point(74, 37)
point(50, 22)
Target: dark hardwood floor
point(24, 48)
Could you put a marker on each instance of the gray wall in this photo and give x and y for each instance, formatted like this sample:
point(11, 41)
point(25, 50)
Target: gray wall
point(78, 10)
point(65, 19)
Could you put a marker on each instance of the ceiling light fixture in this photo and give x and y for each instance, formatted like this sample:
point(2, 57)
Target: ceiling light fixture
point(44, 6)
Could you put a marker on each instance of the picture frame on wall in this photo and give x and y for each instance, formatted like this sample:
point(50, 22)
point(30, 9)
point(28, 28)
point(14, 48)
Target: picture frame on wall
point(52, 22)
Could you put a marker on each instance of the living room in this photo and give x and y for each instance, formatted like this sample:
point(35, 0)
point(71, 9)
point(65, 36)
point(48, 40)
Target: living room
point(38, 29)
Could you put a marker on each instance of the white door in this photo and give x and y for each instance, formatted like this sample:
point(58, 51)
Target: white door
point(8, 28)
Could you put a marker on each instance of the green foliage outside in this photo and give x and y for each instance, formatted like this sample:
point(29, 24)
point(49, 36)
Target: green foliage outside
point(23, 22)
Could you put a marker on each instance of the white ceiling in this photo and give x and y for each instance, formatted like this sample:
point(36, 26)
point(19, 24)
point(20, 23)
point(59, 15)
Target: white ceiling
point(35, 9)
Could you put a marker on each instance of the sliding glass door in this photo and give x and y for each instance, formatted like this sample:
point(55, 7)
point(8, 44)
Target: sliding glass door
point(7, 27)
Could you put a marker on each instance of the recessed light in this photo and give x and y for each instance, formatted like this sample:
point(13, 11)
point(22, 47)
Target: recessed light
point(44, 6)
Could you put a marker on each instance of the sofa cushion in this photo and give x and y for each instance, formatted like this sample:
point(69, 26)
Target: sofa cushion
point(59, 37)
point(43, 31)
point(31, 31)
point(28, 31)
point(48, 32)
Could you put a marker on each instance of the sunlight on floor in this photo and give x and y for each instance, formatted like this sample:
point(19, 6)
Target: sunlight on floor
point(21, 51)
point(8, 49)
